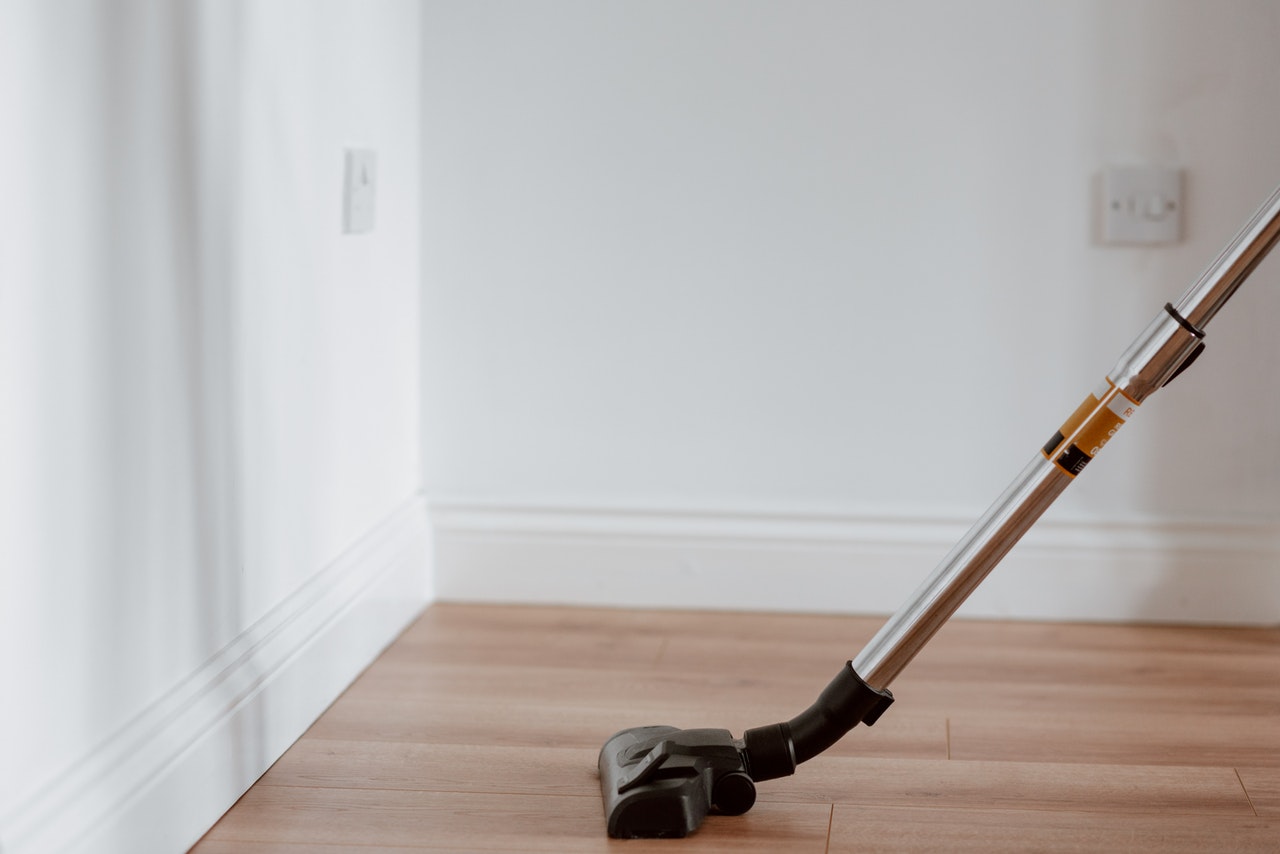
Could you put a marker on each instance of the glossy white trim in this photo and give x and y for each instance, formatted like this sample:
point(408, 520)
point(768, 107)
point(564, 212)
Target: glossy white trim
point(161, 781)
point(1113, 570)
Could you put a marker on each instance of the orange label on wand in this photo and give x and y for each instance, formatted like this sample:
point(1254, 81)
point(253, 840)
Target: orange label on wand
point(1089, 428)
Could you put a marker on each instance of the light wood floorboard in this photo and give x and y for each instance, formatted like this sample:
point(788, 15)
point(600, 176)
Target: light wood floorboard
point(479, 729)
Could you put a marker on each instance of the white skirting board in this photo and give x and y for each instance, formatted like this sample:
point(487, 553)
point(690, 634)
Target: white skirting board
point(161, 782)
point(1136, 570)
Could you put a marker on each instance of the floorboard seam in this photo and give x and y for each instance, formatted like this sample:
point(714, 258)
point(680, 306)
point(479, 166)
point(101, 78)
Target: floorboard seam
point(1247, 796)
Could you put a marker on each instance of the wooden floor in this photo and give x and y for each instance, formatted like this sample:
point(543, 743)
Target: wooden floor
point(479, 729)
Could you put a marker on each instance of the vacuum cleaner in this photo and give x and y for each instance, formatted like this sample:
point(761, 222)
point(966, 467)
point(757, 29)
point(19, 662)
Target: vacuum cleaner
point(660, 781)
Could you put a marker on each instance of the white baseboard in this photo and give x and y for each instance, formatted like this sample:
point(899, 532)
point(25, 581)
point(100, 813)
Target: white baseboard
point(158, 784)
point(1136, 570)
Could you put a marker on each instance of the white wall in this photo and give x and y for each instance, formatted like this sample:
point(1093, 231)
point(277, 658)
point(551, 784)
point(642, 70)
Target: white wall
point(833, 263)
point(210, 508)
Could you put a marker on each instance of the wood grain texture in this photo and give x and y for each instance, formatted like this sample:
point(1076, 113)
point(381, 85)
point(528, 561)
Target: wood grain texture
point(928, 831)
point(460, 821)
point(479, 729)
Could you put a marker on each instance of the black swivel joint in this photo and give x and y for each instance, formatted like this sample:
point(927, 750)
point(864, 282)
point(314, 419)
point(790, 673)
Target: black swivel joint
point(775, 750)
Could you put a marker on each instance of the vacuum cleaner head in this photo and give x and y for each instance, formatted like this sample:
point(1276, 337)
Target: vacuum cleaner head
point(660, 781)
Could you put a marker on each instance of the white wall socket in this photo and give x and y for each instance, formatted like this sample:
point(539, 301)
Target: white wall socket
point(360, 191)
point(1141, 205)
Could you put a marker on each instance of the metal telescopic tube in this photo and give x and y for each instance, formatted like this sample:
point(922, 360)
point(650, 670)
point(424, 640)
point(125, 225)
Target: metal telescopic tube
point(1149, 362)
point(960, 572)
point(1229, 270)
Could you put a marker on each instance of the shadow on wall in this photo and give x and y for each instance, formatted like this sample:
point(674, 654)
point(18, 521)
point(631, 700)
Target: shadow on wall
point(167, 377)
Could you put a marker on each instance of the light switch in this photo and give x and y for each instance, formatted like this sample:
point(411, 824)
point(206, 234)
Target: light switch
point(1141, 205)
point(360, 195)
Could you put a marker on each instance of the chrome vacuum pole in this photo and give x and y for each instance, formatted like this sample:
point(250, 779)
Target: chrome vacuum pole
point(1167, 345)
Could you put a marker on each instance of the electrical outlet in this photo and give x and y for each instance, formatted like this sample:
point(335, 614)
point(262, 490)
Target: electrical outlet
point(1141, 205)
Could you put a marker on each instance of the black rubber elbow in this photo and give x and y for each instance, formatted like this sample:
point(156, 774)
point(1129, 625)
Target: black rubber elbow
point(775, 750)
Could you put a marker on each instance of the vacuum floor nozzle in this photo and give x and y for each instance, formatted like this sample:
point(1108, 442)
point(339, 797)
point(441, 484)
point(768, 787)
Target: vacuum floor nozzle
point(660, 781)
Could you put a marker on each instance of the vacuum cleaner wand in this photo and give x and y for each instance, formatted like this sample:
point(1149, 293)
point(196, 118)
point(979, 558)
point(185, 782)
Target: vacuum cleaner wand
point(661, 781)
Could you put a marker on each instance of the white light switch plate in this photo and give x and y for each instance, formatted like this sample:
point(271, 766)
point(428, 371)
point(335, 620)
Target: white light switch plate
point(360, 194)
point(1141, 205)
